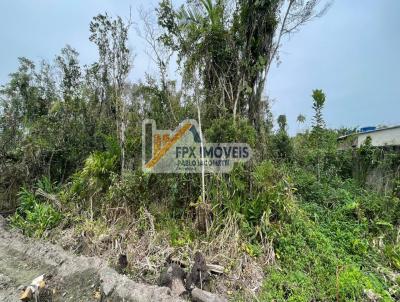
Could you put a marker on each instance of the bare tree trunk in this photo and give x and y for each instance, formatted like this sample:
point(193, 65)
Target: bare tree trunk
point(120, 122)
point(122, 136)
point(236, 100)
point(203, 187)
point(202, 208)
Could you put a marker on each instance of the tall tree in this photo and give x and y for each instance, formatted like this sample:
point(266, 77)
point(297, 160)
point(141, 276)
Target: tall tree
point(318, 105)
point(318, 139)
point(68, 64)
point(232, 49)
point(160, 55)
point(115, 61)
point(282, 123)
point(282, 141)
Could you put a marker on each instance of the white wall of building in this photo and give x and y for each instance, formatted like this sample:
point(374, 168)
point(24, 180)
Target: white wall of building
point(384, 137)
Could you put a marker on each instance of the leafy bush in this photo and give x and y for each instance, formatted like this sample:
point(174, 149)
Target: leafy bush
point(324, 250)
point(392, 252)
point(282, 146)
point(226, 131)
point(134, 189)
point(34, 216)
point(263, 199)
point(352, 284)
point(97, 173)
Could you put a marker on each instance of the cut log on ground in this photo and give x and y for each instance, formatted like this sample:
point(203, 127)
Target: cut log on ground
point(199, 295)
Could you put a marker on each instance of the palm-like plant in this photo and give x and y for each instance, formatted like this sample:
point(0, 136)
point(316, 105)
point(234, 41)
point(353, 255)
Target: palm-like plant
point(204, 13)
point(301, 119)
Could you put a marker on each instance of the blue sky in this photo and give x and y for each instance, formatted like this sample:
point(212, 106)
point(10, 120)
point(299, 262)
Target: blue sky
point(352, 53)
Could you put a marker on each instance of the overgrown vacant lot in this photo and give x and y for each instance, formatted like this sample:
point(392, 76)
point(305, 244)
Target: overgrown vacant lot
point(302, 220)
point(289, 237)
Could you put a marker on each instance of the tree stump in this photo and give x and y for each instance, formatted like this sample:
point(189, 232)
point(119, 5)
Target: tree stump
point(199, 272)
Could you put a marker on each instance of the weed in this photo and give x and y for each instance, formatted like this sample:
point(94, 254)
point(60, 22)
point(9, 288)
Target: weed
point(34, 216)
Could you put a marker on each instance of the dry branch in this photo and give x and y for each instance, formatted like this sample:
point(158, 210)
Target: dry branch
point(51, 197)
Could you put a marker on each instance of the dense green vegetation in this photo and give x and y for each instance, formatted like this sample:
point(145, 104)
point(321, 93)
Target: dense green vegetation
point(299, 222)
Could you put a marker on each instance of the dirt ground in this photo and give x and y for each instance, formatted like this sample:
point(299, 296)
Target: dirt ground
point(68, 277)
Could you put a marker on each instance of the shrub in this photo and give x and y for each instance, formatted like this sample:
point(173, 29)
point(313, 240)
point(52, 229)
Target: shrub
point(392, 252)
point(34, 216)
point(97, 174)
point(352, 284)
point(226, 131)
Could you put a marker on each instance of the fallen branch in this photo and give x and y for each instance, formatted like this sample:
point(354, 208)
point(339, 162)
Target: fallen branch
point(212, 268)
point(6, 213)
point(215, 269)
